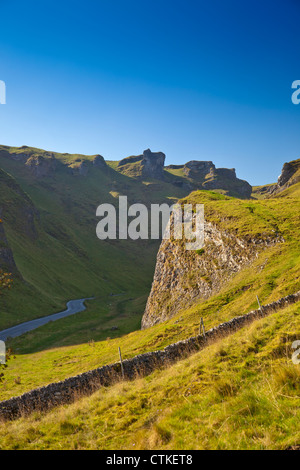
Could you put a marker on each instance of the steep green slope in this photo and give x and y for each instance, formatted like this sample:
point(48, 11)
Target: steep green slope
point(274, 273)
point(49, 207)
point(55, 246)
point(240, 393)
point(19, 217)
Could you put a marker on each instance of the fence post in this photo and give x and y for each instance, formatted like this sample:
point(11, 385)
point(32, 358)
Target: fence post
point(202, 327)
point(122, 368)
point(259, 303)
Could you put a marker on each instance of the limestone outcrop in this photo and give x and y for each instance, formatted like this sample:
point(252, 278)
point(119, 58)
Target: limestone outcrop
point(148, 165)
point(290, 175)
point(183, 276)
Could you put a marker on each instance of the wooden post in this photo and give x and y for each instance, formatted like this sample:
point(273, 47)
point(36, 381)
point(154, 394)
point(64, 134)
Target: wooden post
point(258, 303)
point(122, 368)
point(202, 327)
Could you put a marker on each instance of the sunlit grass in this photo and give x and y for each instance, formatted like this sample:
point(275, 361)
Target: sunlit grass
point(240, 393)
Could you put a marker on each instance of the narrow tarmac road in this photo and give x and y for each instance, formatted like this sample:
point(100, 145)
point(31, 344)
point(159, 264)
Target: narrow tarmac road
point(73, 306)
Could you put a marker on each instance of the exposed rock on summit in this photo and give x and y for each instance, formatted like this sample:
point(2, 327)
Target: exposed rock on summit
point(206, 176)
point(40, 166)
point(148, 165)
point(199, 174)
point(99, 161)
point(290, 175)
point(81, 167)
point(197, 169)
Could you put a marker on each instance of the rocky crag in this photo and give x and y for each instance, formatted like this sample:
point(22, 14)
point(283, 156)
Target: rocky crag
point(183, 276)
point(148, 165)
point(289, 176)
point(40, 163)
point(204, 175)
point(193, 175)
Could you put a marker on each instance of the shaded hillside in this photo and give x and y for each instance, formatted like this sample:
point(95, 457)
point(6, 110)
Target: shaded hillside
point(48, 209)
point(7, 187)
point(50, 226)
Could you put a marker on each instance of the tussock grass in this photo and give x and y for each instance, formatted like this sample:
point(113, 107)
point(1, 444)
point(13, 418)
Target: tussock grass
point(224, 397)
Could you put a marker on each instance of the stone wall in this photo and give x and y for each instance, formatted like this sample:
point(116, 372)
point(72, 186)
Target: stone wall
point(67, 391)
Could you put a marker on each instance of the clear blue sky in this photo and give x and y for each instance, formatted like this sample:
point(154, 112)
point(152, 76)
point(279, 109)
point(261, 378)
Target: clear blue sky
point(206, 80)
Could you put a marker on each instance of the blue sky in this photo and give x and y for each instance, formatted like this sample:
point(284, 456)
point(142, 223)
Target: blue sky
point(204, 80)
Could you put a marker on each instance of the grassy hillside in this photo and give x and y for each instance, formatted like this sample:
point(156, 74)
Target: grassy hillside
point(50, 224)
point(273, 274)
point(48, 202)
point(240, 393)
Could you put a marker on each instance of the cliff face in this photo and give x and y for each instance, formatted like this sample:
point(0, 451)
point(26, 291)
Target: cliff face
point(40, 166)
point(181, 277)
point(204, 175)
point(153, 164)
point(290, 175)
point(148, 165)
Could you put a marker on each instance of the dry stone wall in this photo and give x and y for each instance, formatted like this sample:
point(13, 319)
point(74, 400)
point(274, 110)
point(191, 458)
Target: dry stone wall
point(67, 391)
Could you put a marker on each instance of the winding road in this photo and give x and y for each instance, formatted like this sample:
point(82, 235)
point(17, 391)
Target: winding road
point(73, 306)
